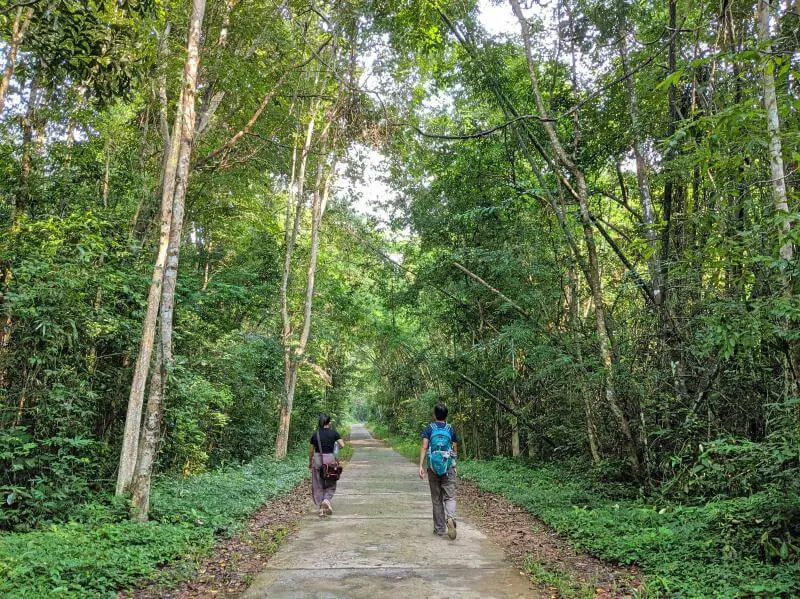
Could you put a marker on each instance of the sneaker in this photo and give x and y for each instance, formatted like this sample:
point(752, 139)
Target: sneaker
point(326, 507)
point(451, 528)
point(438, 534)
point(321, 513)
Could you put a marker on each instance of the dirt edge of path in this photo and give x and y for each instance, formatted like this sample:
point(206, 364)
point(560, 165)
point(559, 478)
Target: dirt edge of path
point(231, 565)
point(552, 564)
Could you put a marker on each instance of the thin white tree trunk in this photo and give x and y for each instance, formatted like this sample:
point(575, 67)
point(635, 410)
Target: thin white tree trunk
point(320, 201)
point(580, 193)
point(21, 22)
point(130, 438)
point(148, 445)
point(642, 177)
point(294, 214)
point(778, 176)
point(293, 358)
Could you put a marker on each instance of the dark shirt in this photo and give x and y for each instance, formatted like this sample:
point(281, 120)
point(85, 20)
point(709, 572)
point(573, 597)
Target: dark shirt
point(328, 437)
point(426, 432)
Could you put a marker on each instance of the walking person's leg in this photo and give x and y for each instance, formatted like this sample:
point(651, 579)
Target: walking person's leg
point(435, 484)
point(449, 485)
point(317, 492)
point(327, 492)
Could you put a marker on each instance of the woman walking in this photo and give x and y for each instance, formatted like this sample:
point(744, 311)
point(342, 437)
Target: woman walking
point(321, 451)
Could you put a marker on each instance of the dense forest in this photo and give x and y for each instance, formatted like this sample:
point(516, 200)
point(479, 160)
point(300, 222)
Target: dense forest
point(580, 232)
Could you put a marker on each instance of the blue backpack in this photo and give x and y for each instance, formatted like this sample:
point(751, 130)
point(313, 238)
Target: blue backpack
point(440, 449)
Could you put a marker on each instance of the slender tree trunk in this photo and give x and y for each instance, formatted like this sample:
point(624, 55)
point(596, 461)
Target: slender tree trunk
point(778, 177)
point(129, 456)
point(642, 177)
point(515, 451)
point(778, 180)
point(294, 214)
point(130, 439)
point(294, 356)
point(21, 22)
point(673, 194)
point(586, 394)
point(580, 193)
point(151, 432)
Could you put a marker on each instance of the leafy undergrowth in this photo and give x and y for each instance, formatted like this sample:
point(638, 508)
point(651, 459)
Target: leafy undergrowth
point(101, 552)
point(684, 551)
point(714, 549)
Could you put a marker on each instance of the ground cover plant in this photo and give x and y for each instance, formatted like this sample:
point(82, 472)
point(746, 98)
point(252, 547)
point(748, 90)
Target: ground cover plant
point(101, 552)
point(718, 548)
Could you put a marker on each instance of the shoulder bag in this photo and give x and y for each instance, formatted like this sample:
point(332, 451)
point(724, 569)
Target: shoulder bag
point(328, 473)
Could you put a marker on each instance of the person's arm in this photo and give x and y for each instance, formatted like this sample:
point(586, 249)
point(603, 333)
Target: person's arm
point(340, 441)
point(454, 448)
point(423, 449)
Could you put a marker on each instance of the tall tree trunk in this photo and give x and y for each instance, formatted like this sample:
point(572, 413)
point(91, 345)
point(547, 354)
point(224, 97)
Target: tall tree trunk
point(778, 177)
point(130, 438)
point(642, 177)
point(673, 198)
point(21, 22)
point(778, 181)
point(515, 451)
point(580, 193)
point(293, 357)
point(148, 445)
point(587, 396)
point(294, 214)
point(129, 455)
point(497, 414)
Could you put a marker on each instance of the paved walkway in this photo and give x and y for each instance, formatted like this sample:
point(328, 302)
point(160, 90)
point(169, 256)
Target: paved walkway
point(380, 542)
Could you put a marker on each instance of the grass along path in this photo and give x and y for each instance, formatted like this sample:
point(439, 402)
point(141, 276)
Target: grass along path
point(100, 552)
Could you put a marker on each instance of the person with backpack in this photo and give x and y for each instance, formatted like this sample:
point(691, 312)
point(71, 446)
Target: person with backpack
point(437, 459)
point(324, 444)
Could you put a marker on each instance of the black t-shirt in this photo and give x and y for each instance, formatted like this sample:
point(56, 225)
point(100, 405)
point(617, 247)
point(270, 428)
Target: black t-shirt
point(328, 437)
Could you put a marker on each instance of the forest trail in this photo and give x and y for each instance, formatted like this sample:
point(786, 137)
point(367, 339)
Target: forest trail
point(380, 542)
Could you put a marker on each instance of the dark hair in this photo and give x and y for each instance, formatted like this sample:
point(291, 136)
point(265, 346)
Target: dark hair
point(440, 411)
point(324, 419)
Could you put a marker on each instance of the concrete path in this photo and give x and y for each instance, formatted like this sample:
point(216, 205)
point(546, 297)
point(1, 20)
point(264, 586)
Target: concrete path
point(380, 542)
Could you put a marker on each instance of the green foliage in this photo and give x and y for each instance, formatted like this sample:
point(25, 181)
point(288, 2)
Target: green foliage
point(43, 479)
point(724, 547)
point(101, 552)
point(75, 560)
point(97, 43)
point(222, 499)
point(197, 417)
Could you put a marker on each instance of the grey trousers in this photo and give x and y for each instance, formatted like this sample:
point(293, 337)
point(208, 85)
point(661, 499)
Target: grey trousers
point(317, 491)
point(443, 497)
